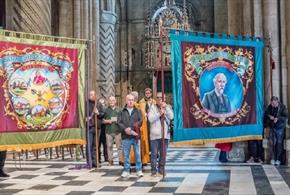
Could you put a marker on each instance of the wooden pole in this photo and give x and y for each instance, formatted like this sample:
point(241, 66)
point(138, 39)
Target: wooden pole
point(162, 88)
point(97, 137)
point(89, 155)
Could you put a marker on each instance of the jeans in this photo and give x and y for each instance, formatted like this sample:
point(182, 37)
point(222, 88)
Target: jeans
point(276, 143)
point(126, 148)
point(2, 159)
point(156, 150)
point(91, 146)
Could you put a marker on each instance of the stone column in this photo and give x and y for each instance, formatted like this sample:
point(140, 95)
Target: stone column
point(257, 15)
point(283, 51)
point(33, 16)
point(270, 25)
point(77, 18)
point(65, 18)
point(287, 26)
point(220, 16)
point(235, 8)
point(96, 38)
point(247, 17)
point(107, 53)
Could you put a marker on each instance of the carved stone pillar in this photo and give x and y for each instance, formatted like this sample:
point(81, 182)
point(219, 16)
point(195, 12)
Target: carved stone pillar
point(287, 26)
point(220, 16)
point(235, 8)
point(247, 17)
point(77, 18)
point(270, 21)
point(107, 53)
point(33, 16)
point(66, 18)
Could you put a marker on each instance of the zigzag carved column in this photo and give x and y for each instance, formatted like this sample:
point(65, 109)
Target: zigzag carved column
point(107, 54)
point(33, 16)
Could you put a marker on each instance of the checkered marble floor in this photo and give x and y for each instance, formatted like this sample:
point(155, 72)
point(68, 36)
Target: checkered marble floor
point(188, 171)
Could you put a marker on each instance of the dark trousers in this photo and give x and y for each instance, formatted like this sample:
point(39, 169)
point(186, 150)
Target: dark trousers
point(2, 159)
point(91, 146)
point(156, 150)
point(255, 149)
point(102, 141)
point(276, 143)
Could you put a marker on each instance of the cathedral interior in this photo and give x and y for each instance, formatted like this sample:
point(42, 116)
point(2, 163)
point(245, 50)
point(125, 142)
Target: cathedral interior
point(123, 41)
point(121, 34)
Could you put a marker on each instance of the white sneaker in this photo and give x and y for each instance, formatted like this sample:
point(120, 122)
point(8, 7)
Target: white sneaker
point(272, 162)
point(277, 162)
point(251, 160)
point(125, 174)
point(140, 174)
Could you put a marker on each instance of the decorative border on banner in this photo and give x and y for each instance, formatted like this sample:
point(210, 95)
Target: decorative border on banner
point(29, 147)
point(200, 136)
point(215, 141)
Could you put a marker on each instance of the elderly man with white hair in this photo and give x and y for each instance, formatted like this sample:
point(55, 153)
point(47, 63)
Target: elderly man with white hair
point(130, 121)
point(216, 101)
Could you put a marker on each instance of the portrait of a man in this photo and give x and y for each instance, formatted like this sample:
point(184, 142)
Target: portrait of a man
point(216, 101)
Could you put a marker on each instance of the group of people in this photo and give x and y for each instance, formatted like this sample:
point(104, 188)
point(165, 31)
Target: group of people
point(136, 129)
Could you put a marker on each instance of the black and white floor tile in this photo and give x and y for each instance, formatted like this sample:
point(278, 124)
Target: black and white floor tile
point(188, 171)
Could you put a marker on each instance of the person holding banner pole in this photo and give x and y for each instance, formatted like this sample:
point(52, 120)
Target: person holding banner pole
point(91, 130)
point(159, 133)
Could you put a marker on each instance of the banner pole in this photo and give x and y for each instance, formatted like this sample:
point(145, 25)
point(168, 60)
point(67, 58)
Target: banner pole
point(162, 88)
point(89, 155)
point(97, 137)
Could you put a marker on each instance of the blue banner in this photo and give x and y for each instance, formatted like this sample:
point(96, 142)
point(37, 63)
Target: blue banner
point(217, 87)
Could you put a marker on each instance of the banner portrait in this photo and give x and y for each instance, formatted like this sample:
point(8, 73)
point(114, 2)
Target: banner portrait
point(217, 87)
point(41, 89)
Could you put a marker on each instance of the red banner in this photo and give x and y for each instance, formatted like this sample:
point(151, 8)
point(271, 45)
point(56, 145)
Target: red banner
point(39, 87)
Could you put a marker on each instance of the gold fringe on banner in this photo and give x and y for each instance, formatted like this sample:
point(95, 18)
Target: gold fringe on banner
point(215, 141)
point(43, 37)
point(20, 147)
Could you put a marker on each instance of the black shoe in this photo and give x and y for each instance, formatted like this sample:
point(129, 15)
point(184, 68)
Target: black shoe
point(121, 163)
point(3, 174)
point(223, 157)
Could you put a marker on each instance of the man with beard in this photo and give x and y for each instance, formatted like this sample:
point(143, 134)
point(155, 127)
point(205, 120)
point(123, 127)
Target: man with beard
point(145, 104)
point(216, 101)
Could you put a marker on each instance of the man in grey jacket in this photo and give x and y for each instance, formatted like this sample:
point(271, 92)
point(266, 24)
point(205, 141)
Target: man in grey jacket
point(154, 117)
